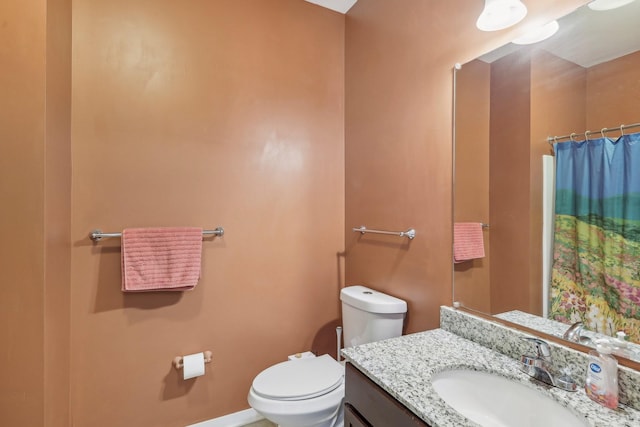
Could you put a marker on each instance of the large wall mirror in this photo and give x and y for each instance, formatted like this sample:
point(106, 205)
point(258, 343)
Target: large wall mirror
point(508, 103)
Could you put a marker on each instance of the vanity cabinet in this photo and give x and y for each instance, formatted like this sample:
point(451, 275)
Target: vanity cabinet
point(368, 405)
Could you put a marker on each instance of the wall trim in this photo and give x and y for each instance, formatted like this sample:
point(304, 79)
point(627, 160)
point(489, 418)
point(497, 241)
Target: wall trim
point(237, 419)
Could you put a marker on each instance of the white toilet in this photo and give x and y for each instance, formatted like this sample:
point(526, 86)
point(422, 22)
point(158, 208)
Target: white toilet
point(309, 392)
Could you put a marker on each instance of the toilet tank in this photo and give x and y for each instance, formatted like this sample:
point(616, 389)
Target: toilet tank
point(369, 315)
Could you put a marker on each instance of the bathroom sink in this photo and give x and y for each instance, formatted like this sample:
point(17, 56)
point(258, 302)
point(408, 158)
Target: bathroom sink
point(495, 401)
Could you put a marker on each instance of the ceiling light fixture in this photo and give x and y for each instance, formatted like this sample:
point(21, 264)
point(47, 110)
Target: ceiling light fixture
point(538, 34)
point(500, 14)
point(608, 4)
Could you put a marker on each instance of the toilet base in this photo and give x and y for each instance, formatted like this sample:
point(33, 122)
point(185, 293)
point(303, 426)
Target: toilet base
point(336, 421)
point(325, 411)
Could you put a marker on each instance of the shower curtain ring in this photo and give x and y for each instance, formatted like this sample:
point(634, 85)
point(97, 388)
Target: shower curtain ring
point(622, 130)
point(586, 135)
point(573, 137)
point(602, 131)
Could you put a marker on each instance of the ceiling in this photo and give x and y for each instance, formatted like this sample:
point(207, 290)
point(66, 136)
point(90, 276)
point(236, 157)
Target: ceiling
point(587, 37)
point(341, 6)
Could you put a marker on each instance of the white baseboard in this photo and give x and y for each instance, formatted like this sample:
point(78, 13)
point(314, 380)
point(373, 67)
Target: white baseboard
point(237, 419)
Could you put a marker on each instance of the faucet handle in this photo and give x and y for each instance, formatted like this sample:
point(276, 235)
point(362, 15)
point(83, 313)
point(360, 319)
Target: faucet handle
point(565, 381)
point(542, 347)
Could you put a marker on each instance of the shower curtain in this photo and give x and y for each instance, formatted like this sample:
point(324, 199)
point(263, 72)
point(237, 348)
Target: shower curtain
point(596, 271)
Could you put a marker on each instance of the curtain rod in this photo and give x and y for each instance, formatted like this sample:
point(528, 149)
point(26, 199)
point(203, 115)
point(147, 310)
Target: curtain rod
point(621, 128)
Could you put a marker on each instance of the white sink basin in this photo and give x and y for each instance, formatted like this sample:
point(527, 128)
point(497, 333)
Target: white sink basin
point(494, 401)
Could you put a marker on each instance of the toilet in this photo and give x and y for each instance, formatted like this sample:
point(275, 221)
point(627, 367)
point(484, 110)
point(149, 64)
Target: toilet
point(309, 392)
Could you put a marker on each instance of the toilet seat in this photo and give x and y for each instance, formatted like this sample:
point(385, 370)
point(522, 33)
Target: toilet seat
point(299, 379)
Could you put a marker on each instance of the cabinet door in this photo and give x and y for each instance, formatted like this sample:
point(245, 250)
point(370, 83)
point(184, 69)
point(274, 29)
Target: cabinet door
point(375, 406)
point(352, 418)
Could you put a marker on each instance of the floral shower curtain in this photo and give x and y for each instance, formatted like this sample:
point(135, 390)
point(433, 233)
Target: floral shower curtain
point(596, 269)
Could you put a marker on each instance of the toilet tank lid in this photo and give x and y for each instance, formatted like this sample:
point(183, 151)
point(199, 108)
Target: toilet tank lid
point(372, 301)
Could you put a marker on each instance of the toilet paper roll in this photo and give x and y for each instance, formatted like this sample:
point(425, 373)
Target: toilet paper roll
point(193, 365)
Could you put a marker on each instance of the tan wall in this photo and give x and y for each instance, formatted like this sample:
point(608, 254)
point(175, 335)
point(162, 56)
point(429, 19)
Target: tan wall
point(215, 113)
point(558, 106)
point(558, 99)
point(35, 188)
point(562, 98)
point(22, 127)
point(226, 113)
point(471, 204)
point(533, 95)
point(398, 139)
point(508, 180)
point(532, 90)
point(613, 92)
point(57, 207)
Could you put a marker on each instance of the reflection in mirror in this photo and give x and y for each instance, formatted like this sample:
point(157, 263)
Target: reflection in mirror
point(508, 103)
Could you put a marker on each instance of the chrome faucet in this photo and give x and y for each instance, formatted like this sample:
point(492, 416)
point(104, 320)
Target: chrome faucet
point(541, 367)
point(574, 333)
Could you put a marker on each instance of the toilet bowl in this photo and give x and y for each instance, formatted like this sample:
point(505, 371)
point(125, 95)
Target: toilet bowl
point(309, 392)
point(301, 393)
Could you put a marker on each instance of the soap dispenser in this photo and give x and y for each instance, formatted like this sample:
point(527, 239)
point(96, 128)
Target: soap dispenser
point(601, 384)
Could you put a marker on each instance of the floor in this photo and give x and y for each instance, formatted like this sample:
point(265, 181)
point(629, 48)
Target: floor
point(263, 423)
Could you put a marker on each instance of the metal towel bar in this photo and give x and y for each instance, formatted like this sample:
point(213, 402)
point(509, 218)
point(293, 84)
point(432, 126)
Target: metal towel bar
point(97, 235)
point(410, 233)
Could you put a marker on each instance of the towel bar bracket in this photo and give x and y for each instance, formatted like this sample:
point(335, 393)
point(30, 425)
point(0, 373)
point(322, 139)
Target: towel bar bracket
point(97, 235)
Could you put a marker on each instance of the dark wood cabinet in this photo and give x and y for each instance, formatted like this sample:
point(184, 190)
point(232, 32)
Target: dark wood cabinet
point(352, 418)
point(368, 405)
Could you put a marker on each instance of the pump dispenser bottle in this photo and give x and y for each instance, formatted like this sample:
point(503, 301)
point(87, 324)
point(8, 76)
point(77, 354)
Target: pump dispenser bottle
point(601, 384)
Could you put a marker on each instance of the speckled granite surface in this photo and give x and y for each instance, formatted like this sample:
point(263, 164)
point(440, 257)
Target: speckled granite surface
point(404, 366)
point(557, 329)
point(509, 341)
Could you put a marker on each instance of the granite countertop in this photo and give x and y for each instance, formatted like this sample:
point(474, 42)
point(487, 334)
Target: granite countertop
point(553, 327)
point(404, 366)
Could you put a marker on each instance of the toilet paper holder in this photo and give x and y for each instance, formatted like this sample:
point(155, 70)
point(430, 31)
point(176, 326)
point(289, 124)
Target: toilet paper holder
point(178, 362)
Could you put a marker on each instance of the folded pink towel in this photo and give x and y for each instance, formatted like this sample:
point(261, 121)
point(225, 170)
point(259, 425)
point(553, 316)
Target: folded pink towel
point(161, 259)
point(468, 242)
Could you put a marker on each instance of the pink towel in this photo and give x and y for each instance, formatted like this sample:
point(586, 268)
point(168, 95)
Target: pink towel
point(468, 242)
point(161, 259)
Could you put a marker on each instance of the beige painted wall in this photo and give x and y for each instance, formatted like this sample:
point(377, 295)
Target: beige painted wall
point(22, 123)
point(471, 190)
point(613, 90)
point(57, 208)
point(399, 62)
point(509, 181)
point(557, 105)
point(543, 95)
point(34, 225)
point(226, 113)
point(535, 94)
point(215, 113)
